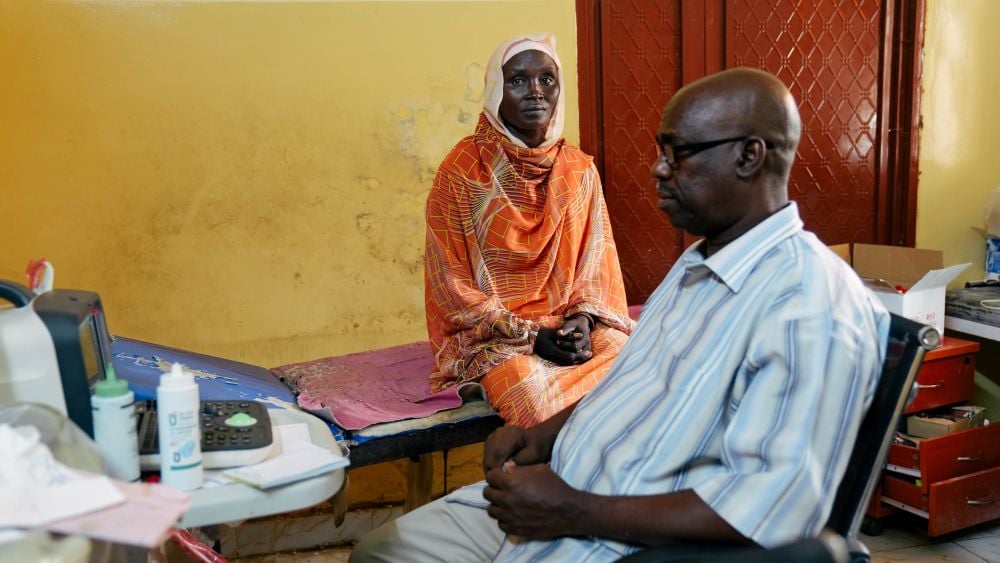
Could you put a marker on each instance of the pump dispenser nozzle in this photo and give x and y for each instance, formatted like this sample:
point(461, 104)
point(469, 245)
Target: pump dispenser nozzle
point(177, 377)
point(111, 386)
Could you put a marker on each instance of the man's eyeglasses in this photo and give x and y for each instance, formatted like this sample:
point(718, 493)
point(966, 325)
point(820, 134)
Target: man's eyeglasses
point(673, 153)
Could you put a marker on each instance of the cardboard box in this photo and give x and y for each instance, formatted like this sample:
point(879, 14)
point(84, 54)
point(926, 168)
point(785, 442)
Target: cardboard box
point(910, 282)
point(939, 422)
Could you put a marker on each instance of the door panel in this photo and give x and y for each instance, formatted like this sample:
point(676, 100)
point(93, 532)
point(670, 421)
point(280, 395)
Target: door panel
point(641, 70)
point(831, 53)
point(828, 54)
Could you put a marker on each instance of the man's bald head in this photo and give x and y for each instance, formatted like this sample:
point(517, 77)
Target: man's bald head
point(743, 101)
point(727, 143)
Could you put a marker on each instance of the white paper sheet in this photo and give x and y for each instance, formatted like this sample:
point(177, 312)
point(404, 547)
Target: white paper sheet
point(35, 488)
point(302, 463)
point(291, 437)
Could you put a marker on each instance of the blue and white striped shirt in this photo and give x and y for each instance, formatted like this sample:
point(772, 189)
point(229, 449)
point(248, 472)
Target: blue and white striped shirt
point(745, 380)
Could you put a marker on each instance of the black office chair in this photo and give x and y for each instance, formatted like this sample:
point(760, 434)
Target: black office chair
point(908, 342)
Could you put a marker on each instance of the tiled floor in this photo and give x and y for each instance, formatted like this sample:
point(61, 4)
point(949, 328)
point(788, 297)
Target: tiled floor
point(332, 555)
point(902, 540)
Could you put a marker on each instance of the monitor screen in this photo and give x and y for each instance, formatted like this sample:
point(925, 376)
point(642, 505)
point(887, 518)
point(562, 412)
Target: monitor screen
point(88, 347)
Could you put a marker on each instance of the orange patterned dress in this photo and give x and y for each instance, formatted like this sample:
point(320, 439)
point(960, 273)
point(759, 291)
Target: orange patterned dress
point(517, 239)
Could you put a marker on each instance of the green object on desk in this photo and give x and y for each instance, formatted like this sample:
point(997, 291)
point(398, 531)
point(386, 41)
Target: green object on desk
point(241, 419)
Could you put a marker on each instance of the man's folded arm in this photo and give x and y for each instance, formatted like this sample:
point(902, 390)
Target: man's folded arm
point(655, 520)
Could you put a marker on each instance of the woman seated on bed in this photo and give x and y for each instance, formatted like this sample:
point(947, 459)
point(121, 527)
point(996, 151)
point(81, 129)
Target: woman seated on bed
point(524, 292)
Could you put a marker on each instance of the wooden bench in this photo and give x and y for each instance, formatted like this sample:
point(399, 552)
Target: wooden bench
point(418, 447)
point(436, 439)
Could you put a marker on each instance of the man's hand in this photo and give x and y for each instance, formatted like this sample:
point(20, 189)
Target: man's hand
point(524, 447)
point(568, 345)
point(533, 502)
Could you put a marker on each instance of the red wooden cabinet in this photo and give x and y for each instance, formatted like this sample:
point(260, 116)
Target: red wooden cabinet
point(952, 480)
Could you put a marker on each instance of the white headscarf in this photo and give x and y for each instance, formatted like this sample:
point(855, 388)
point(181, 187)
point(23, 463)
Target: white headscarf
point(493, 91)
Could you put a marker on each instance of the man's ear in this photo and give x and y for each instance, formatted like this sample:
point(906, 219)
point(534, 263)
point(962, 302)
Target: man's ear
point(751, 158)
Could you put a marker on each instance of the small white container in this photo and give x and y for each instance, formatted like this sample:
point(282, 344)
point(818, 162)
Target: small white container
point(177, 412)
point(113, 406)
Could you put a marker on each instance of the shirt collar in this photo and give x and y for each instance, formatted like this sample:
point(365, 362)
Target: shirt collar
point(734, 262)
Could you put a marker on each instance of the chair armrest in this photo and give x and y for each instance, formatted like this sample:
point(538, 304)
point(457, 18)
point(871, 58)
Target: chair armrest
point(827, 548)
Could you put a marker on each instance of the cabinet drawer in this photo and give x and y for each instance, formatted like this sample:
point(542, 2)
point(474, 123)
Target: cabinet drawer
point(944, 381)
point(948, 456)
point(964, 501)
point(905, 495)
point(950, 505)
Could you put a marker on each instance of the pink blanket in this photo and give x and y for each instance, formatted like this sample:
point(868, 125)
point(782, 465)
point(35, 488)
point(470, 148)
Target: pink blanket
point(386, 385)
point(358, 390)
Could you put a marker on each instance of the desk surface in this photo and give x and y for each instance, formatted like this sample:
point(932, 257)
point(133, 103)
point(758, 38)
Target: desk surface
point(971, 311)
point(236, 501)
point(982, 330)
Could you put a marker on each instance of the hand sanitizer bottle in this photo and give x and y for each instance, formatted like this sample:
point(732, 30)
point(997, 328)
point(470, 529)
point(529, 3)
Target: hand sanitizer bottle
point(178, 428)
point(113, 406)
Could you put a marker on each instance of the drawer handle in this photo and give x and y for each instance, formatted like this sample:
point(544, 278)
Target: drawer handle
point(919, 386)
point(980, 502)
point(976, 457)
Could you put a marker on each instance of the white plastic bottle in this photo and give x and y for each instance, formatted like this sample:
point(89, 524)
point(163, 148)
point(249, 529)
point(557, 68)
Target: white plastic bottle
point(113, 406)
point(177, 413)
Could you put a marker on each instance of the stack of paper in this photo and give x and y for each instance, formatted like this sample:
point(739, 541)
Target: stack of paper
point(145, 519)
point(303, 463)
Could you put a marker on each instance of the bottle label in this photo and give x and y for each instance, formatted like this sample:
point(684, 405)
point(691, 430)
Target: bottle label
point(183, 440)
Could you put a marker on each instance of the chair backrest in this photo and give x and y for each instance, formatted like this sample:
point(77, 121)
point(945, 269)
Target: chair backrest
point(908, 341)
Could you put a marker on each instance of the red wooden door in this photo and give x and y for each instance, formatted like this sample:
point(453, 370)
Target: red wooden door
point(853, 181)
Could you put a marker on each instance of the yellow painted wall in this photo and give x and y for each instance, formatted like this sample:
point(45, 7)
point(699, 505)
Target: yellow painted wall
point(959, 163)
point(243, 179)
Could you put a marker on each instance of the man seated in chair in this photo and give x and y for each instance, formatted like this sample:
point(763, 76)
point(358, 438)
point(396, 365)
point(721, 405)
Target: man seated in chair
point(730, 415)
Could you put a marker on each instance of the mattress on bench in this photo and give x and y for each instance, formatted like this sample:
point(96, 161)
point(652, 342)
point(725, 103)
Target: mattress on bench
point(381, 392)
point(384, 392)
point(142, 364)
